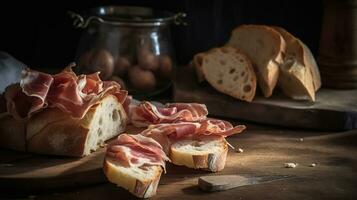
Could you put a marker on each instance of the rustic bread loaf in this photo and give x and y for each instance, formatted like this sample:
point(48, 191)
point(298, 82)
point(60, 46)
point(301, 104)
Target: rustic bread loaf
point(54, 132)
point(140, 181)
point(230, 71)
point(208, 153)
point(265, 47)
point(299, 75)
point(12, 133)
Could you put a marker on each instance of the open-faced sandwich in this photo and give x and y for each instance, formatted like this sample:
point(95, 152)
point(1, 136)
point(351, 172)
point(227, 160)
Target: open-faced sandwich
point(179, 132)
point(70, 115)
point(61, 114)
point(135, 163)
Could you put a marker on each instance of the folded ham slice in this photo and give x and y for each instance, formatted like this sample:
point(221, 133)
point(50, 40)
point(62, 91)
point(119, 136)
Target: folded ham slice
point(166, 133)
point(71, 93)
point(146, 113)
point(187, 129)
point(136, 150)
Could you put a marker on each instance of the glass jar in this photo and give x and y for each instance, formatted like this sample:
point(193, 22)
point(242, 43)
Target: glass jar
point(130, 45)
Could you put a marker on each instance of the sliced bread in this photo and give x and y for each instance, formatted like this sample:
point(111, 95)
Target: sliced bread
point(265, 47)
point(299, 75)
point(140, 181)
point(230, 71)
point(208, 153)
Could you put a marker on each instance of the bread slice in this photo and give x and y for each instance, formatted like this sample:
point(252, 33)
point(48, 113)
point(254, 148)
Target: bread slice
point(299, 75)
point(265, 47)
point(230, 71)
point(208, 153)
point(54, 132)
point(140, 181)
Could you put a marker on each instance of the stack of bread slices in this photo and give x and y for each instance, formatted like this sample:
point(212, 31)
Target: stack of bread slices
point(266, 55)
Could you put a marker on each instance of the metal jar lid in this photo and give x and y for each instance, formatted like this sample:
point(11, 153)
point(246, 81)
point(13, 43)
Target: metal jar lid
point(127, 16)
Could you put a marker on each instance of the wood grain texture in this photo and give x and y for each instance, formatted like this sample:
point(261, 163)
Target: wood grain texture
point(332, 110)
point(266, 149)
point(27, 172)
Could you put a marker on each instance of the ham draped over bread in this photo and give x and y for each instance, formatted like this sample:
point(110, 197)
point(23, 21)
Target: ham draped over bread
point(165, 134)
point(136, 150)
point(70, 93)
point(213, 127)
point(146, 113)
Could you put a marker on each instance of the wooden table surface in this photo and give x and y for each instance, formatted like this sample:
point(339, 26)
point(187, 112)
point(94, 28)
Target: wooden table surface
point(266, 149)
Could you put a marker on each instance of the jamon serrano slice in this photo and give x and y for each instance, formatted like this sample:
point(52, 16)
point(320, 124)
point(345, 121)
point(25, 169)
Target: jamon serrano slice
point(147, 113)
point(66, 91)
point(61, 114)
point(199, 145)
point(135, 162)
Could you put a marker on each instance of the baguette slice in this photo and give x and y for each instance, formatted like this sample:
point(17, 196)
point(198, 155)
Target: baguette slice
point(140, 181)
point(299, 75)
point(208, 153)
point(230, 71)
point(265, 47)
point(54, 132)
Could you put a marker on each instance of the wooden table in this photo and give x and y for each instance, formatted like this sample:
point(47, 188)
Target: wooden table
point(266, 149)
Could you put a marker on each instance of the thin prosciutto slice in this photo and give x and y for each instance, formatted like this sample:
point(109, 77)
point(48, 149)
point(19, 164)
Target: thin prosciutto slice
point(166, 133)
point(136, 150)
point(71, 93)
point(146, 113)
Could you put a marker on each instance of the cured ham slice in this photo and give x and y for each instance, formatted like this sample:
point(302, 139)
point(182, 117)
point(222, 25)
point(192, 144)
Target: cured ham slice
point(17, 103)
point(188, 129)
point(136, 150)
point(146, 113)
point(166, 133)
point(219, 128)
point(70, 93)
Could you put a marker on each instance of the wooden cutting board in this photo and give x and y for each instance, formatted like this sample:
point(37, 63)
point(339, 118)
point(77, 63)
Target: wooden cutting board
point(333, 109)
point(31, 173)
point(28, 173)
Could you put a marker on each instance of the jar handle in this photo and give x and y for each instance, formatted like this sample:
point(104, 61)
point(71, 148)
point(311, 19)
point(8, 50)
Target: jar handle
point(81, 22)
point(179, 19)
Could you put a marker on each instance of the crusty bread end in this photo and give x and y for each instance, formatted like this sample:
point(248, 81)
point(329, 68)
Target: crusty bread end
point(299, 75)
point(12, 133)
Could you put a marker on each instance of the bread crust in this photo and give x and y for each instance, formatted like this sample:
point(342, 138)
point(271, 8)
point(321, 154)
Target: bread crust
point(311, 64)
point(56, 133)
point(12, 133)
point(66, 138)
point(303, 83)
point(139, 188)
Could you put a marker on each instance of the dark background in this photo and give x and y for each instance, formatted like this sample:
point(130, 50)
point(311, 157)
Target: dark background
point(40, 34)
